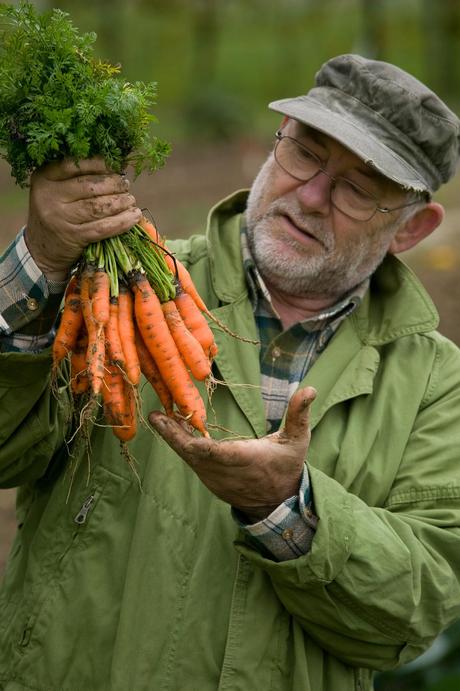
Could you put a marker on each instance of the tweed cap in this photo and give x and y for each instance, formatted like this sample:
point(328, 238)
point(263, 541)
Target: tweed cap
point(385, 116)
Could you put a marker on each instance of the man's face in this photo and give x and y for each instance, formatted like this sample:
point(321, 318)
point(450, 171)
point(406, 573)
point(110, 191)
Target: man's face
point(301, 243)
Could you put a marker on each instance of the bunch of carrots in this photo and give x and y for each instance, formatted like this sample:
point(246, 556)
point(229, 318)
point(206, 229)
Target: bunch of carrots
point(132, 308)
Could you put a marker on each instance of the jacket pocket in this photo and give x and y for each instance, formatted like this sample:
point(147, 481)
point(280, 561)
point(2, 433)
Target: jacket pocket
point(40, 570)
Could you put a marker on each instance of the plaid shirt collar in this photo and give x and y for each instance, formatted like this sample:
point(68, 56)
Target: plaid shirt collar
point(260, 297)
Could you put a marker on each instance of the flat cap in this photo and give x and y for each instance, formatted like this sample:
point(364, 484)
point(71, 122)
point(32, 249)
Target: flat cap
point(384, 115)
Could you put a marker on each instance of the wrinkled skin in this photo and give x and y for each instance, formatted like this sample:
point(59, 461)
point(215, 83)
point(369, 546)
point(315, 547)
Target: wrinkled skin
point(71, 206)
point(253, 475)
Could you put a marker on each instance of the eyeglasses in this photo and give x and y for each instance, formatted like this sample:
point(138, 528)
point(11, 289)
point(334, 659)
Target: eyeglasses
point(346, 196)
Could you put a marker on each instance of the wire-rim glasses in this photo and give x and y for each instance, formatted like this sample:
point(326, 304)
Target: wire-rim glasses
point(348, 197)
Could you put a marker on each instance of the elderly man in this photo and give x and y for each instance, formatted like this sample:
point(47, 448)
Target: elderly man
point(311, 548)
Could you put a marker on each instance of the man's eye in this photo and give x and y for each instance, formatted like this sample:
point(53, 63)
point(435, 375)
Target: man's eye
point(306, 155)
point(355, 190)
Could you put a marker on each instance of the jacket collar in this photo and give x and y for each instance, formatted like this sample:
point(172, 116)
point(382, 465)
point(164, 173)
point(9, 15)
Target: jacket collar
point(224, 251)
point(395, 305)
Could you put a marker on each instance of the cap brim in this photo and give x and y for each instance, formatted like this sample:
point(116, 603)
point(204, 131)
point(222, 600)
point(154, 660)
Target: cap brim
point(354, 132)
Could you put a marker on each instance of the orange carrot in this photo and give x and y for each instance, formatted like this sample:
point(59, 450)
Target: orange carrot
point(112, 335)
point(100, 296)
point(86, 282)
point(178, 269)
point(190, 349)
point(79, 381)
point(73, 285)
point(175, 265)
point(194, 320)
point(150, 229)
point(129, 428)
point(119, 403)
point(70, 325)
point(151, 372)
point(126, 329)
point(95, 355)
point(160, 343)
point(108, 389)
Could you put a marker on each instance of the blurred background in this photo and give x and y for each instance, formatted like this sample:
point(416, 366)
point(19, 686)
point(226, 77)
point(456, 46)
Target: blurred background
point(217, 64)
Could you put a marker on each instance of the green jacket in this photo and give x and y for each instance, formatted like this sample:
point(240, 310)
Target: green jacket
point(153, 588)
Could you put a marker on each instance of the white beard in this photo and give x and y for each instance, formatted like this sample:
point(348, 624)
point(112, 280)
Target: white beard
point(295, 269)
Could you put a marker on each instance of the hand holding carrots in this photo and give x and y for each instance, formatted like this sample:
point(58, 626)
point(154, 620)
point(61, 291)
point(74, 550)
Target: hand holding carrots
point(254, 475)
point(70, 207)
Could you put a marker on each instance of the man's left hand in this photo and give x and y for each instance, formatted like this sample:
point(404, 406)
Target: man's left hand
point(253, 475)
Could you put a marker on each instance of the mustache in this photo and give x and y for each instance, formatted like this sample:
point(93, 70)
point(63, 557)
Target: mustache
point(307, 223)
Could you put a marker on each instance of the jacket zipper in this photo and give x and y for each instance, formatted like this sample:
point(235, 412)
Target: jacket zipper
point(82, 515)
point(80, 518)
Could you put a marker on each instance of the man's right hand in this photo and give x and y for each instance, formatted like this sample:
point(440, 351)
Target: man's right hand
point(70, 207)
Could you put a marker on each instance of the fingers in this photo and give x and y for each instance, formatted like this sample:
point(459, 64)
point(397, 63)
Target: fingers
point(73, 205)
point(95, 208)
point(110, 226)
point(81, 186)
point(297, 426)
point(68, 168)
point(255, 475)
point(72, 181)
point(184, 443)
point(94, 185)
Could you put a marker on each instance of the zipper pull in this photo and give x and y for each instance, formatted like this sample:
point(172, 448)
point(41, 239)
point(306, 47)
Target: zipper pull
point(81, 516)
point(26, 634)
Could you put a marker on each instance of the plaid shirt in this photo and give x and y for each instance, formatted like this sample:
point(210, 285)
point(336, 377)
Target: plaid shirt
point(27, 299)
point(29, 303)
point(285, 358)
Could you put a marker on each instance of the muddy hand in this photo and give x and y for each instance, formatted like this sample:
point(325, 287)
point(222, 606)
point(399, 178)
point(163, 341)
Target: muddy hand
point(71, 206)
point(253, 475)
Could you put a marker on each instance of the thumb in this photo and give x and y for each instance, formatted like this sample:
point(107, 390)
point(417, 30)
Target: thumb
point(297, 425)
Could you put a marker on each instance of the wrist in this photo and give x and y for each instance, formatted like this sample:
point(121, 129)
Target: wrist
point(254, 515)
point(52, 273)
point(55, 277)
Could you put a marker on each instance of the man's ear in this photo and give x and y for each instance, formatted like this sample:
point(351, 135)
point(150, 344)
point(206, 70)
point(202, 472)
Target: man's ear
point(417, 227)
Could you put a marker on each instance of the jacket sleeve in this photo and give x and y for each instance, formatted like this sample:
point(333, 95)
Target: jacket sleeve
point(380, 583)
point(33, 417)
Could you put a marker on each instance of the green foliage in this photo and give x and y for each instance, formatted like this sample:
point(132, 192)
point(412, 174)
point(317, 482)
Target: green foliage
point(212, 113)
point(57, 100)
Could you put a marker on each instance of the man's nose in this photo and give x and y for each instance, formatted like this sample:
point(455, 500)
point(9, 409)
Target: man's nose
point(315, 195)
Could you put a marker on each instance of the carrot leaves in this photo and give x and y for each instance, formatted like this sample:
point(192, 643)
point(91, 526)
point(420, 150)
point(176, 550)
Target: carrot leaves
point(58, 100)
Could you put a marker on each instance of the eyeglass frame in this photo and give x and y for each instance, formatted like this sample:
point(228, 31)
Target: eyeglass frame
point(321, 169)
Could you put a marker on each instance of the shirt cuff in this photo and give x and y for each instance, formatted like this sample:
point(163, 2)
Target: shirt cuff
point(25, 293)
point(287, 533)
point(25, 343)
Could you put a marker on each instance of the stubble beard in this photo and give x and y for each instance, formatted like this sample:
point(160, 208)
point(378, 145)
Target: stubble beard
point(295, 269)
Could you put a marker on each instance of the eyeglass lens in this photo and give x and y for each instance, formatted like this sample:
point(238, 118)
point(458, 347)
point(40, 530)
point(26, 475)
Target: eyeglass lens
point(303, 165)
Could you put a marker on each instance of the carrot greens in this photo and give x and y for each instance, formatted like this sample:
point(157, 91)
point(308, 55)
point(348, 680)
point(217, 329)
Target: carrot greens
point(58, 100)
